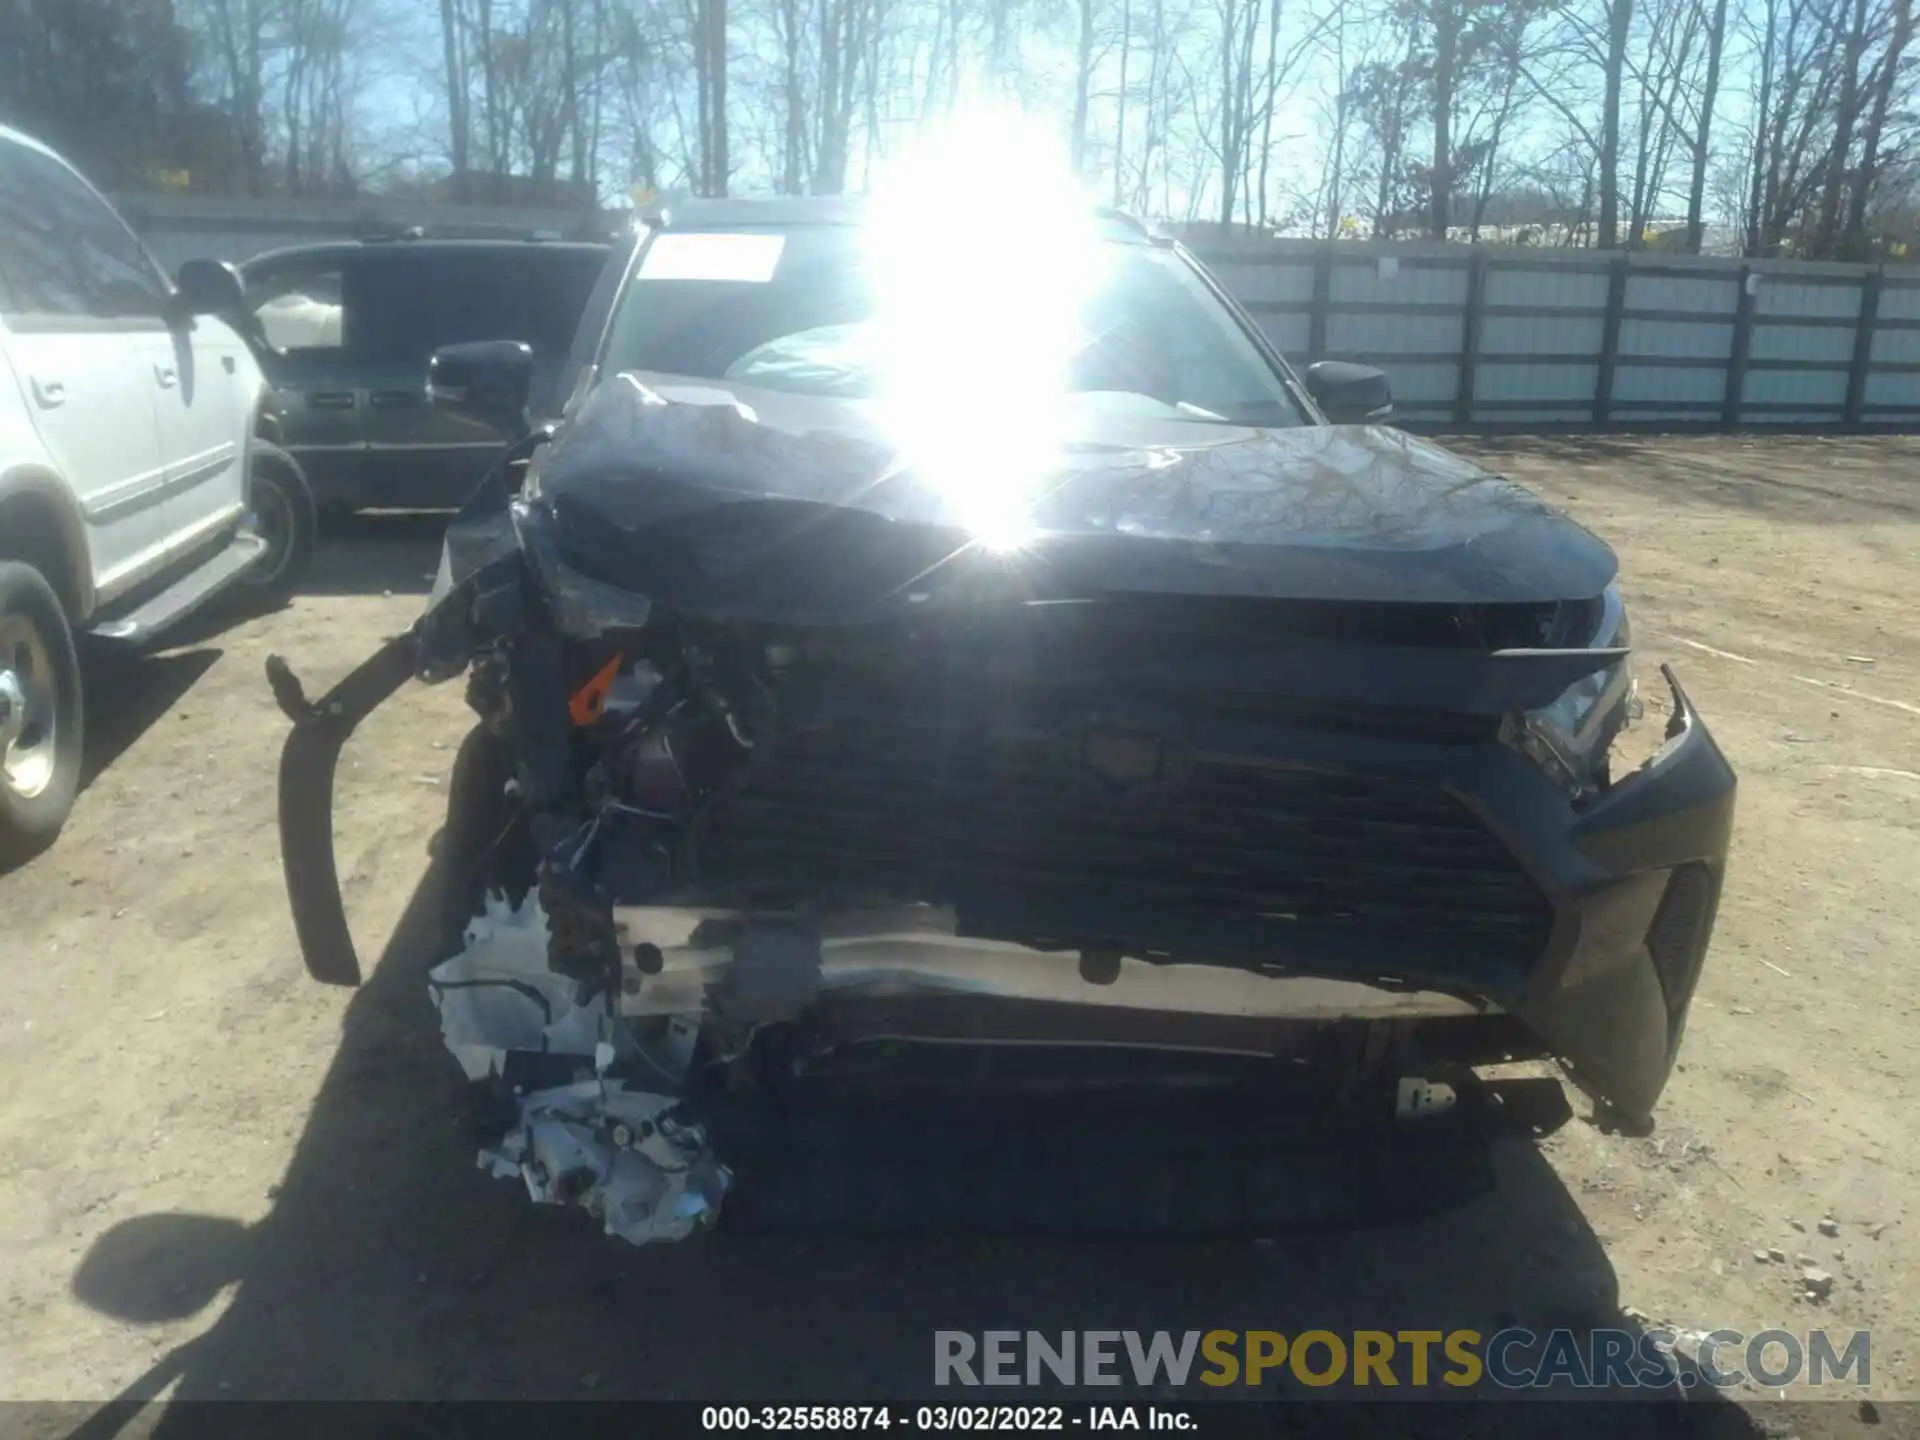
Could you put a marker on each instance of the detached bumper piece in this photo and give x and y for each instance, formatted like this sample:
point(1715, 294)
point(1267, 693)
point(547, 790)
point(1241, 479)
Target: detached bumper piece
point(307, 764)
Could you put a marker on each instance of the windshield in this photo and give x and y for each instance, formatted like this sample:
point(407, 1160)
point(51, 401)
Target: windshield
point(795, 310)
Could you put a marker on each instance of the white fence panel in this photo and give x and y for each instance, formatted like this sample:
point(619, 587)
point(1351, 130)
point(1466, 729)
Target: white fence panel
point(1668, 382)
point(1827, 388)
point(1371, 333)
point(1785, 297)
point(1561, 288)
point(1676, 339)
point(1702, 295)
point(1815, 344)
point(1572, 384)
point(1408, 283)
point(1542, 335)
point(1266, 284)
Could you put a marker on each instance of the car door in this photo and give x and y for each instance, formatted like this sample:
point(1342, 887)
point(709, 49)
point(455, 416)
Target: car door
point(418, 299)
point(196, 384)
point(297, 306)
point(203, 409)
point(77, 323)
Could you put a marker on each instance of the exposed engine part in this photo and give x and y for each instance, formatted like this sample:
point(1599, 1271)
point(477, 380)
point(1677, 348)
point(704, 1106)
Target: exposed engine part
point(628, 1156)
point(649, 775)
point(693, 734)
point(498, 995)
point(583, 943)
point(632, 688)
point(618, 1154)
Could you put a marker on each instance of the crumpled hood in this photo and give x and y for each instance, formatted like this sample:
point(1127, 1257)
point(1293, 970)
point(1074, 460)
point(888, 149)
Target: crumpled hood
point(765, 504)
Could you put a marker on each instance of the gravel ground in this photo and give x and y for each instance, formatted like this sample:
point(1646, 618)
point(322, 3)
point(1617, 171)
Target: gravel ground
point(220, 1179)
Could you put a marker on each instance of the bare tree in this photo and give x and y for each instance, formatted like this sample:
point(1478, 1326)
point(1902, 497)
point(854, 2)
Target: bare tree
point(459, 127)
point(1446, 20)
point(238, 34)
point(1703, 126)
point(1669, 31)
point(1792, 122)
point(1619, 15)
point(1337, 112)
point(843, 43)
point(1884, 86)
point(1384, 96)
point(710, 70)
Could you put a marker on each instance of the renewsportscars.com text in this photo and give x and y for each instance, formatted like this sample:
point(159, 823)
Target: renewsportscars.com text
point(1512, 1359)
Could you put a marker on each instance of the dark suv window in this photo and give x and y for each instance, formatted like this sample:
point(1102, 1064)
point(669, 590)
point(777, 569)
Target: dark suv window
point(401, 306)
point(298, 311)
point(63, 251)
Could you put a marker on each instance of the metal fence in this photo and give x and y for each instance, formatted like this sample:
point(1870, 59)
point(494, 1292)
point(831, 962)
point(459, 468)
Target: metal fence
point(1470, 336)
point(1513, 338)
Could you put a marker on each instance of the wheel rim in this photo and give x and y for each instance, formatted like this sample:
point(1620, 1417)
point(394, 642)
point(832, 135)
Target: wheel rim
point(271, 518)
point(29, 708)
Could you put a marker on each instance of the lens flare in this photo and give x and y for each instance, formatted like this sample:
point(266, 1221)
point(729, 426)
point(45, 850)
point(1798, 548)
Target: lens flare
point(982, 250)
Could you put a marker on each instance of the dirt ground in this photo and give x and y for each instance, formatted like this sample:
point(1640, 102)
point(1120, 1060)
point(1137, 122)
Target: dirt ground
point(220, 1179)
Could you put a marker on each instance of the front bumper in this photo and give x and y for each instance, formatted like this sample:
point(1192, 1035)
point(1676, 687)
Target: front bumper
point(1636, 880)
point(1630, 882)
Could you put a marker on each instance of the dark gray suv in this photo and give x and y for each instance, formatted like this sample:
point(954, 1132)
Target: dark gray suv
point(344, 332)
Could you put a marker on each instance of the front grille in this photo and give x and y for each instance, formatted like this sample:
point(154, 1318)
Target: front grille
point(1003, 824)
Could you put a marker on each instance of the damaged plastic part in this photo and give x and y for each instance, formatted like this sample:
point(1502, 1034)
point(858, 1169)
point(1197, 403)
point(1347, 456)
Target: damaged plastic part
point(498, 995)
point(626, 1156)
point(618, 1154)
point(1569, 738)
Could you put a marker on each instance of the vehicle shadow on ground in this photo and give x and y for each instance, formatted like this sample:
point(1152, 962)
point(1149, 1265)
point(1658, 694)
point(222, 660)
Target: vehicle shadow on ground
point(390, 1267)
point(127, 693)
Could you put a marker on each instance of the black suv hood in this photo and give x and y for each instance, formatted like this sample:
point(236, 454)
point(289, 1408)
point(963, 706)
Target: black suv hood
point(761, 504)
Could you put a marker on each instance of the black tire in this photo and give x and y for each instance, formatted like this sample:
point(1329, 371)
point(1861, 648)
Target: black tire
point(41, 740)
point(282, 510)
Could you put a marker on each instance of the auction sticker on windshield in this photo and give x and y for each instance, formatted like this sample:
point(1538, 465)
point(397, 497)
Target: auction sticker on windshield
point(746, 258)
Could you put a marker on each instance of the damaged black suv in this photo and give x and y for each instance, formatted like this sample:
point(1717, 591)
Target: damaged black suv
point(903, 746)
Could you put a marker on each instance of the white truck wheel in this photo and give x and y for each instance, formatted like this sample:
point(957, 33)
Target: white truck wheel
point(41, 714)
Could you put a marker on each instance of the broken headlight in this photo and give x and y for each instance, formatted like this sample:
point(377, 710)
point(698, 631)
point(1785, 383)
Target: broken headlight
point(1569, 738)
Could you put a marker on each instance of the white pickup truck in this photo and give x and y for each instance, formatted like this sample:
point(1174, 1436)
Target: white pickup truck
point(138, 478)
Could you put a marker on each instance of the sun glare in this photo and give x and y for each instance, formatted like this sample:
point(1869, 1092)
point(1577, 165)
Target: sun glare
point(982, 249)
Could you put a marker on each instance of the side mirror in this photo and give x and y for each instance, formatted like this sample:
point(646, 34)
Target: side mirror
point(1349, 394)
point(209, 287)
point(484, 380)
